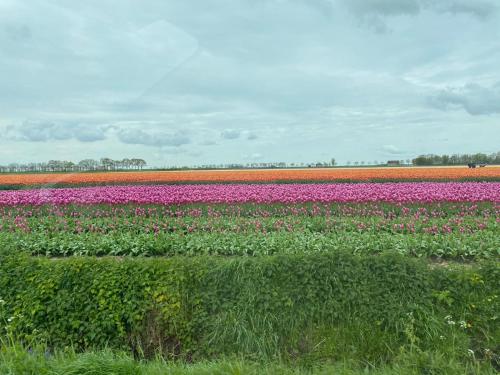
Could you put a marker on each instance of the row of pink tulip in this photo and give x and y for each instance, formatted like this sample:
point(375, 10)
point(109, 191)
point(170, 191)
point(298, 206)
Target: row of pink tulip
point(260, 193)
point(238, 210)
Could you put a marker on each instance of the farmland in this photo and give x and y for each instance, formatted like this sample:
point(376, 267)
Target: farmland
point(312, 272)
point(450, 230)
point(266, 175)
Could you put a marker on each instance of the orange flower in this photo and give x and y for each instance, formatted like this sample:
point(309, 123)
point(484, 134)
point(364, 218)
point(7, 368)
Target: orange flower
point(268, 175)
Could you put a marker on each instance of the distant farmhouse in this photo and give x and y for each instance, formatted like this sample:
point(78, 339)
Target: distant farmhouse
point(392, 163)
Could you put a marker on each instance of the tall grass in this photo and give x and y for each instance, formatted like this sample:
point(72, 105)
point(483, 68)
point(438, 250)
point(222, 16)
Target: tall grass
point(15, 359)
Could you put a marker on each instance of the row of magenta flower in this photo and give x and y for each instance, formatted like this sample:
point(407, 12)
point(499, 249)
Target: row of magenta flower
point(259, 193)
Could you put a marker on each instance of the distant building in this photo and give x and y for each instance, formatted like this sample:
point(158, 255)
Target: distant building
point(392, 163)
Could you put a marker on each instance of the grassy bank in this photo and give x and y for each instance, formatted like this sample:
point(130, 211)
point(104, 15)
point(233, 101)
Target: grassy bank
point(18, 360)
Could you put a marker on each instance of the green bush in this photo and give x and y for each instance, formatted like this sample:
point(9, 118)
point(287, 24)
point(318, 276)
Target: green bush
point(304, 307)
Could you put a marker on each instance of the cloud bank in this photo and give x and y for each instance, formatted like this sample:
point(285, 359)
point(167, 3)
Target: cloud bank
point(217, 81)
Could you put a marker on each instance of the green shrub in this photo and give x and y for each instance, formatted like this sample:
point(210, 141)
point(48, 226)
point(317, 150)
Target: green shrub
point(296, 307)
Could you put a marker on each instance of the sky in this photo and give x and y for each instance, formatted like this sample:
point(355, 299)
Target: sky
point(191, 82)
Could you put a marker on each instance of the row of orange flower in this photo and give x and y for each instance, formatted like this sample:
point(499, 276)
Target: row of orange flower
point(336, 174)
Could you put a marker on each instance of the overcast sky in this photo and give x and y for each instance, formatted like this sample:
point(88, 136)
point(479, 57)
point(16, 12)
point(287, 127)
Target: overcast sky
point(219, 81)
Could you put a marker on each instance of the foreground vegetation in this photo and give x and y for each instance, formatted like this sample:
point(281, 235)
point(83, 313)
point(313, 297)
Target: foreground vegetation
point(306, 308)
point(18, 360)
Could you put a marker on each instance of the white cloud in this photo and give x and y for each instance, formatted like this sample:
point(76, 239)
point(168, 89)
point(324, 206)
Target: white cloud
point(479, 8)
point(230, 133)
point(383, 7)
point(375, 14)
point(46, 131)
point(388, 8)
point(392, 150)
point(473, 98)
point(157, 139)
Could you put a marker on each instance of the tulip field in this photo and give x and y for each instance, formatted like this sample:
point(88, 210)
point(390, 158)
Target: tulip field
point(423, 192)
point(463, 230)
point(296, 266)
point(377, 174)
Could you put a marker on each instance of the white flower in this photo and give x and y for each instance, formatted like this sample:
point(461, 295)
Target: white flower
point(449, 320)
point(463, 324)
point(470, 352)
point(10, 319)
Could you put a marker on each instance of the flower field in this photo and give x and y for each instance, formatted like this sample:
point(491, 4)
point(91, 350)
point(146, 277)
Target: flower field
point(261, 193)
point(311, 273)
point(449, 231)
point(277, 175)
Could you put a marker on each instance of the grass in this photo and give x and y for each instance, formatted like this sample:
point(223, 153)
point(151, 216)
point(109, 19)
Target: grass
point(14, 359)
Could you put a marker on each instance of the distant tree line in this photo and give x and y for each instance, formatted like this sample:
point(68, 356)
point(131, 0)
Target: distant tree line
point(267, 165)
point(457, 159)
point(104, 164)
point(107, 164)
